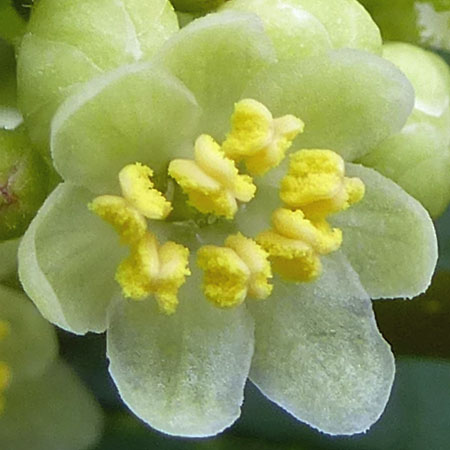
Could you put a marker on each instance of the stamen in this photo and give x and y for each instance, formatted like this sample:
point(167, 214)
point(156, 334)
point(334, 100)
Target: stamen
point(138, 189)
point(140, 200)
point(316, 183)
point(154, 269)
point(212, 182)
point(128, 222)
point(296, 243)
point(257, 138)
point(233, 272)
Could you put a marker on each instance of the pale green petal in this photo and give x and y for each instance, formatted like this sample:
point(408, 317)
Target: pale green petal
point(349, 100)
point(44, 83)
point(215, 57)
point(183, 374)
point(389, 238)
point(109, 32)
point(68, 42)
point(428, 73)
point(52, 412)
point(418, 158)
point(136, 113)
point(67, 261)
point(294, 31)
point(318, 353)
point(306, 27)
point(31, 344)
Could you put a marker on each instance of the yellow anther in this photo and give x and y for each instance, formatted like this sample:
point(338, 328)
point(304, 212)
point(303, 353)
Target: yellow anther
point(138, 189)
point(316, 183)
point(154, 269)
point(233, 272)
point(295, 244)
point(140, 200)
point(212, 182)
point(128, 222)
point(318, 235)
point(259, 139)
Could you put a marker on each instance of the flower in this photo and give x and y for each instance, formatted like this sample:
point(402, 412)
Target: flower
point(422, 148)
point(216, 109)
point(424, 22)
point(39, 394)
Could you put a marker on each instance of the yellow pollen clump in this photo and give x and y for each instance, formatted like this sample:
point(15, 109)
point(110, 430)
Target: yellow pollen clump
point(138, 189)
point(5, 371)
point(154, 269)
point(316, 184)
point(259, 139)
point(128, 222)
point(140, 200)
point(233, 272)
point(212, 182)
point(296, 243)
point(314, 187)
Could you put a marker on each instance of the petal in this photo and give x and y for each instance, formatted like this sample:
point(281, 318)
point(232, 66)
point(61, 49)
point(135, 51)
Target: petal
point(420, 152)
point(54, 411)
point(67, 261)
point(215, 57)
point(67, 42)
point(31, 345)
point(136, 113)
point(318, 353)
point(349, 100)
point(183, 374)
point(389, 238)
point(294, 30)
point(418, 159)
point(307, 27)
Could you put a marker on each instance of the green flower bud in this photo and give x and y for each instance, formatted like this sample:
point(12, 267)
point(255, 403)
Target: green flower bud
point(23, 183)
point(423, 22)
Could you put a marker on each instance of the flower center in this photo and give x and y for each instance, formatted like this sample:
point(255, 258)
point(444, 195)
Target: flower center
point(314, 187)
point(5, 371)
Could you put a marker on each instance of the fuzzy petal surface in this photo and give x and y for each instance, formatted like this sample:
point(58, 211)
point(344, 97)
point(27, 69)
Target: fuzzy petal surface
point(67, 261)
point(319, 354)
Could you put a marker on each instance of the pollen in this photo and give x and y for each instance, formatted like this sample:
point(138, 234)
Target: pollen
point(231, 273)
point(154, 269)
point(257, 138)
point(316, 184)
point(139, 191)
point(295, 244)
point(212, 181)
point(128, 222)
point(140, 200)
